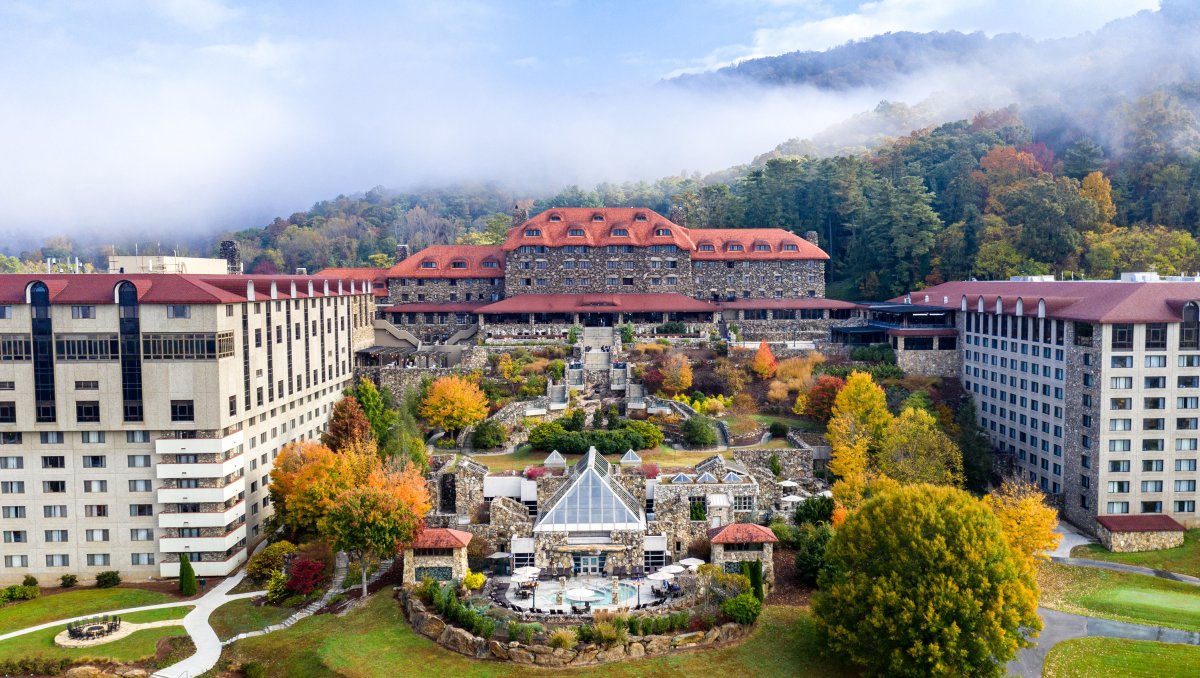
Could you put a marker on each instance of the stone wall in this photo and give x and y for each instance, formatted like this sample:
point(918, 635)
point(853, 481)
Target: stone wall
point(1126, 542)
point(428, 624)
point(781, 329)
point(760, 279)
point(441, 290)
point(933, 363)
point(457, 564)
point(720, 556)
point(545, 273)
point(796, 464)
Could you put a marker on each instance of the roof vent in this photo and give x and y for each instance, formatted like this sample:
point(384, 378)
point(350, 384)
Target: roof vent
point(1139, 276)
point(301, 271)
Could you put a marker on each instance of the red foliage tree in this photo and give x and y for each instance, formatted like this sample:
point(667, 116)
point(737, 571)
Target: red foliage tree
point(305, 576)
point(650, 470)
point(764, 364)
point(821, 397)
point(347, 424)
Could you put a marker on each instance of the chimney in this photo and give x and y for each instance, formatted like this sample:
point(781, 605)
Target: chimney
point(232, 255)
point(401, 253)
point(812, 237)
point(519, 215)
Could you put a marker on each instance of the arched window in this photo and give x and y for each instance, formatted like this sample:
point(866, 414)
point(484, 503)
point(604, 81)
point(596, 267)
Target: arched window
point(1189, 329)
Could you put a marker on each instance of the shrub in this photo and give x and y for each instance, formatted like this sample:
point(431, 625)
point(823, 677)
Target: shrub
point(426, 590)
point(661, 624)
point(635, 626)
point(575, 420)
point(68, 580)
point(276, 586)
point(608, 634)
point(29, 580)
point(776, 466)
point(556, 369)
point(811, 540)
point(563, 638)
point(876, 353)
point(269, 560)
point(489, 434)
point(743, 609)
point(34, 665)
point(818, 509)
point(539, 436)
point(650, 470)
point(586, 633)
point(473, 580)
point(187, 578)
point(698, 512)
point(699, 431)
point(15, 592)
point(254, 670)
point(778, 429)
point(572, 335)
point(651, 433)
point(535, 472)
point(305, 576)
point(785, 533)
point(626, 334)
point(487, 628)
point(107, 580)
point(672, 327)
point(337, 599)
point(294, 600)
point(753, 571)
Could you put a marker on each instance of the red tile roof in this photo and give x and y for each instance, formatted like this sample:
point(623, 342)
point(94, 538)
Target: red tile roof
point(786, 304)
point(598, 303)
point(597, 233)
point(445, 256)
point(749, 239)
point(376, 276)
point(435, 307)
point(741, 533)
point(166, 288)
point(1107, 301)
point(1143, 523)
point(441, 538)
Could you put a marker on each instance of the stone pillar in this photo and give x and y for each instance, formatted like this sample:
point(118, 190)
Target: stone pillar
point(562, 585)
point(616, 590)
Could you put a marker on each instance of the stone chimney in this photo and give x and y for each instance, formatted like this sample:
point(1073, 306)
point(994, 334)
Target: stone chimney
point(677, 214)
point(812, 237)
point(232, 255)
point(519, 215)
point(401, 253)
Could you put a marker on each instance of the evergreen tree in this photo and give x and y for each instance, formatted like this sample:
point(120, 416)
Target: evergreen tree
point(187, 577)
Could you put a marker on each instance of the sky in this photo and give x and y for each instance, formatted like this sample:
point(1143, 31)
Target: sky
point(186, 116)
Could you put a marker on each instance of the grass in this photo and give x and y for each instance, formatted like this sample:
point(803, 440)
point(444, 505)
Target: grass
point(800, 423)
point(1091, 657)
point(1120, 596)
point(240, 616)
point(76, 603)
point(377, 641)
point(132, 648)
point(1183, 559)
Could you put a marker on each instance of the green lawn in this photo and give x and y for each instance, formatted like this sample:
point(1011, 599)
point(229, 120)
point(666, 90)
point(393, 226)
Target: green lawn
point(1184, 559)
point(240, 616)
point(377, 641)
point(129, 649)
point(1097, 657)
point(75, 603)
point(1117, 595)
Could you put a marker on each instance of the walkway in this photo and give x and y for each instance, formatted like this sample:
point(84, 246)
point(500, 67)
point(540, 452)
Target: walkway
point(208, 646)
point(1122, 567)
point(1070, 539)
point(340, 566)
point(64, 622)
point(1060, 626)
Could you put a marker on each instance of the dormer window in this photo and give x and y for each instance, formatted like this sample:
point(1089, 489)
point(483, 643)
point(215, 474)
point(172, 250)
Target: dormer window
point(428, 264)
point(616, 232)
point(736, 248)
point(490, 263)
point(534, 232)
point(707, 247)
point(639, 217)
point(762, 247)
point(662, 232)
point(790, 247)
point(597, 217)
point(458, 263)
point(555, 217)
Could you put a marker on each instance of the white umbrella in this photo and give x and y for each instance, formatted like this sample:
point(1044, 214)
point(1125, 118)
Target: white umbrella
point(661, 576)
point(673, 569)
point(691, 562)
point(792, 498)
point(693, 568)
point(527, 570)
point(827, 493)
point(581, 594)
point(789, 483)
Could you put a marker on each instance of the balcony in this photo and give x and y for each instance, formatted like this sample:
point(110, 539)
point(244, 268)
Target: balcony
point(203, 495)
point(198, 445)
point(214, 519)
point(171, 470)
point(194, 544)
point(207, 568)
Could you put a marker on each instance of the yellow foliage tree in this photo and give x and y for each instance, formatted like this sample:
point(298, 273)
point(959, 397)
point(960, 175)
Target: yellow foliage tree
point(677, 373)
point(1097, 188)
point(860, 419)
point(914, 450)
point(1027, 521)
point(454, 402)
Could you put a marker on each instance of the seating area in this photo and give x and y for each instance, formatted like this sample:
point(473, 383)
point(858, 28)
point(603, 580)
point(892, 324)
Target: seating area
point(96, 627)
point(542, 592)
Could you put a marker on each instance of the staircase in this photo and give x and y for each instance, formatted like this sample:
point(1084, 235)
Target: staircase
point(558, 396)
point(635, 396)
point(597, 346)
point(340, 565)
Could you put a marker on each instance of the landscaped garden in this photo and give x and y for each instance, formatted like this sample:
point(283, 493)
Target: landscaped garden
point(74, 602)
point(139, 647)
point(1183, 559)
point(243, 615)
point(1121, 596)
point(1097, 657)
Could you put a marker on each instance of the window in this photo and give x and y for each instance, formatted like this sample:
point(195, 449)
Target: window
point(1152, 445)
point(1122, 337)
point(54, 511)
point(1185, 486)
point(92, 437)
point(458, 263)
point(95, 535)
point(183, 410)
point(1152, 486)
point(1185, 444)
point(97, 560)
point(140, 510)
point(179, 311)
point(12, 487)
point(1118, 486)
point(1121, 382)
point(736, 248)
point(1188, 506)
point(1155, 382)
point(662, 232)
point(83, 312)
point(95, 486)
point(12, 512)
point(1187, 402)
point(138, 461)
point(12, 463)
point(8, 412)
point(54, 486)
point(620, 232)
point(1156, 336)
point(575, 232)
point(141, 558)
point(1156, 361)
point(87, 412)
point(15, 537)
point(58, 560)
point(94, 461)
point(5, 312)
point(87, 386)
point(55, 536)
point(1118, 466)
point(11, 437)
point(139, 486)
point(1119, 424)
point(137, 436)
point(23, 561)
point(141, 534)
point(51, 437)
point(1117, 507)
point(1154, 403)
point(533, 232)
point(1185, 464)
point(762, 247)
point(743, 503)
point(1152, 507)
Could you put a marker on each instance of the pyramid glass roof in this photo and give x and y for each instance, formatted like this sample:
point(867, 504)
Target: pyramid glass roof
point(591, 501)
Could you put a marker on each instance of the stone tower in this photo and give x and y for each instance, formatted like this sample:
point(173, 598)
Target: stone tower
point(232, 255)
point(519, 215)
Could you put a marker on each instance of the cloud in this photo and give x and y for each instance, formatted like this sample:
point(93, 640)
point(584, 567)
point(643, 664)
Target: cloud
point(198, 15)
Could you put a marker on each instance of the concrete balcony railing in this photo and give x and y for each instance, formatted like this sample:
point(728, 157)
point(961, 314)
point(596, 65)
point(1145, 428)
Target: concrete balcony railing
point(198, 445)
point(213, 519)
point(203, 495)
point(196, 544)
point(206, 568)
point(168, 470)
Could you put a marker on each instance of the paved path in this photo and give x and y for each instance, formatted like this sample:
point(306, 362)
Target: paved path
point(64, 622)
point(1060, 626)
point(340, 565)
point(1134, 569)
point(1070, 539)
point(208, 646)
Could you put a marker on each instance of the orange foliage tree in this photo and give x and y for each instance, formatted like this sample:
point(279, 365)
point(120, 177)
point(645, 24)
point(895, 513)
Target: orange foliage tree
point(347, 423)
point(677, 373)
point(820, 399)
point(764, 364)
point(309, 477)
point(454, 402)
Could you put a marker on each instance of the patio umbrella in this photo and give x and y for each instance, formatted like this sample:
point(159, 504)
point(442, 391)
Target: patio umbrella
point(581, 594)
point(691, 562)
point(792, 498)
point(527, 570)
point(672, 569)
point(789, 483)
point(661, 576)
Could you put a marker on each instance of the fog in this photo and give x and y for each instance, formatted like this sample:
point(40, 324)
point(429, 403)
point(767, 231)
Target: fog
point(185, 141)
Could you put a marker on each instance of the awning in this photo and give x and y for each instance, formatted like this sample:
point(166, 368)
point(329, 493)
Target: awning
point(499, 555)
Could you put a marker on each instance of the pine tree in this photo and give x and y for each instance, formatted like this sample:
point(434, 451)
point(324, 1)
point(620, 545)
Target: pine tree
point(187, 577)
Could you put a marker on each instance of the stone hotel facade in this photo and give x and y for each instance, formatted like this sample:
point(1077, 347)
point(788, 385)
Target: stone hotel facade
point(140, 414)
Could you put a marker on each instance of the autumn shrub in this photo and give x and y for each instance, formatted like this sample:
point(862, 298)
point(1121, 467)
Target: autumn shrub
point(535, 472)
point(743, 609)
point(744, 403)
point(777, 392)
point(563, 639)
point(473, 581)
point(608, 635)
point(269, 560)
point(277, 589)
point(650, 470)
point(305, 576)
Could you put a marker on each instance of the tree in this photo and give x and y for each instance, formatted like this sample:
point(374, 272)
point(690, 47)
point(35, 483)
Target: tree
point(859, 420)
point(376, 408)
point(187, 577)
point(921, 582)
point(510, 371)
point(811, 541)
point(489, 434)
point(1027, 522)
point(820, 398)
point(308, 478)
point(453, 402)
point(373, 519)
point(1098, 189)
point(914, 450)
point(699, 431)
point(764, 364)
point(733, 374)
point(677, 373)
point(976, 450)
point(347, 423)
